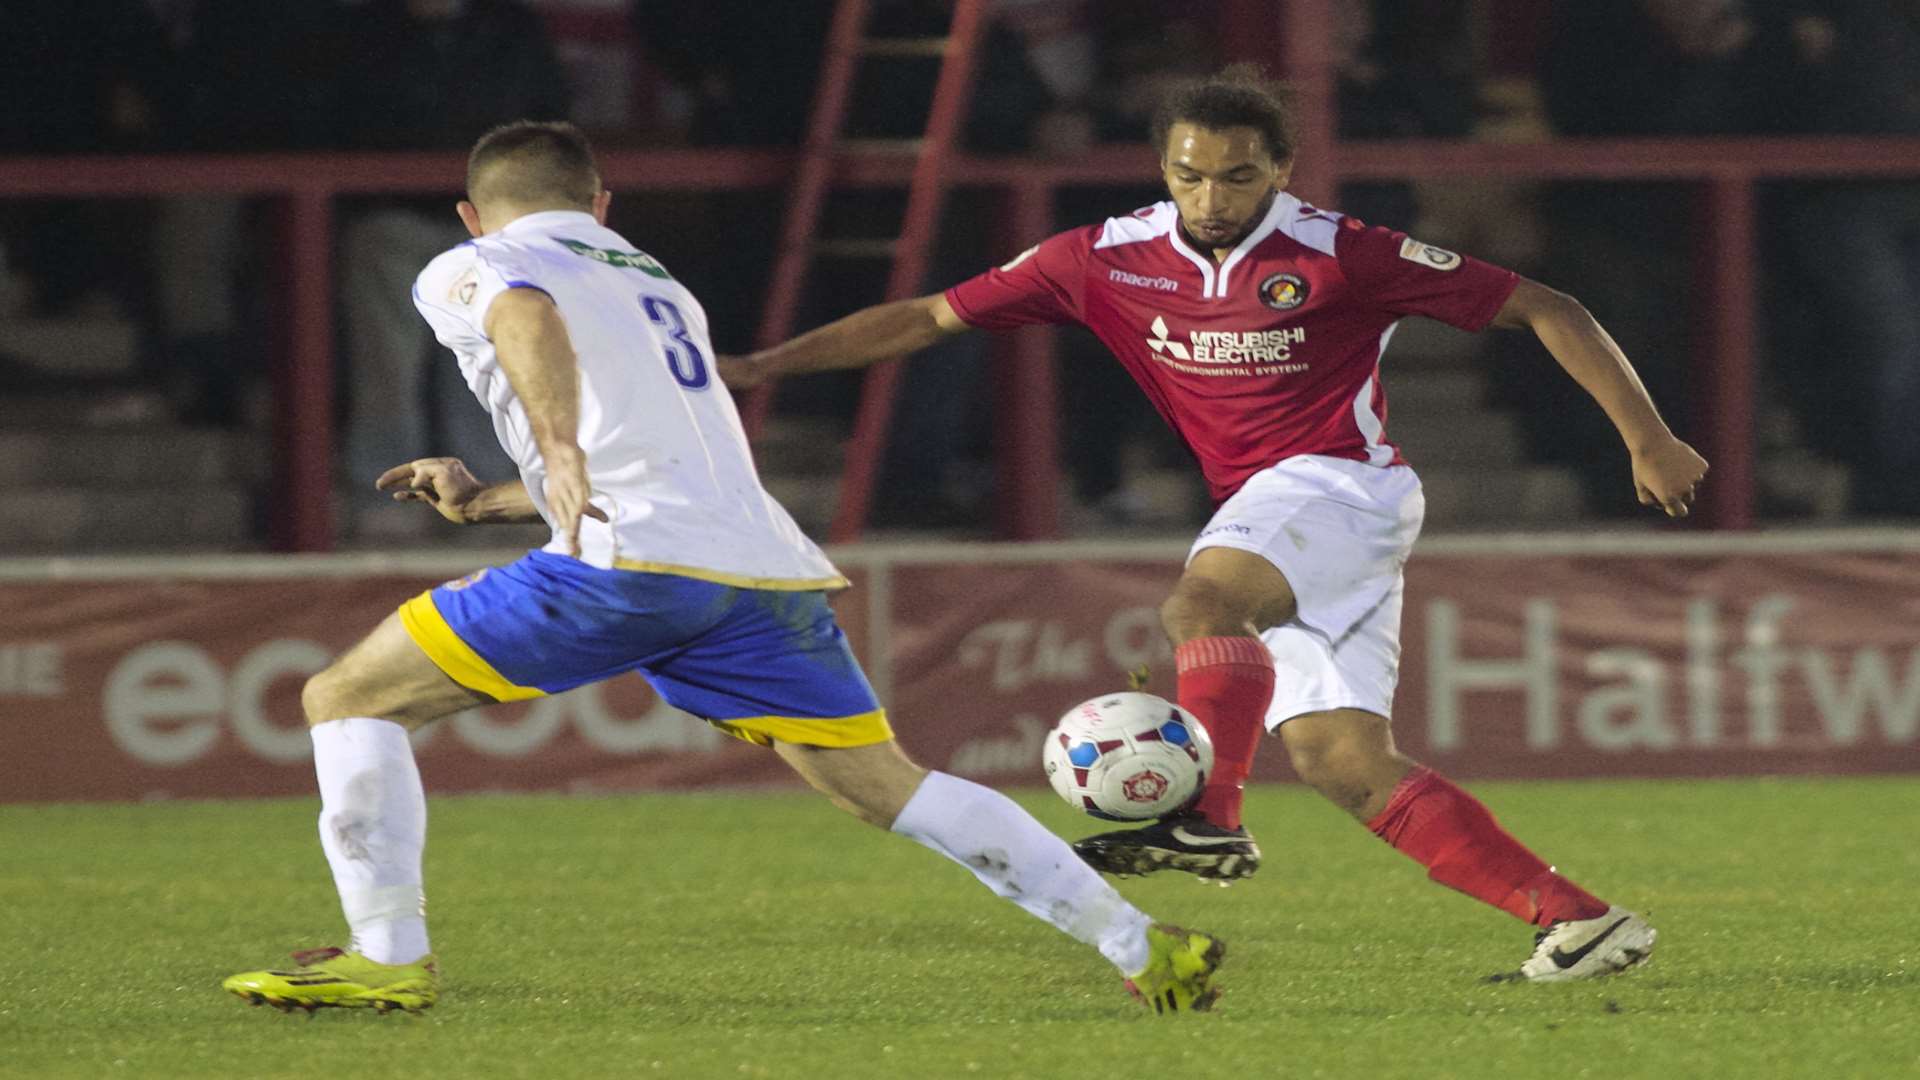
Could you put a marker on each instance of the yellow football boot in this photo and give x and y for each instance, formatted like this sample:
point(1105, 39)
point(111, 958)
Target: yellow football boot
point(1180, 964)
point(333, 978)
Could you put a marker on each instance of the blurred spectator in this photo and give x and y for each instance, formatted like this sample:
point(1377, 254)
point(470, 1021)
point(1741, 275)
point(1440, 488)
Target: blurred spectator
point(1632, 68)
point(436, 74)
point(239, 79)
point(1031, 94)
point(244, 78)
point(1141, 50)
point(77, 76)
point(1666, 67)
point(155, 75)
point(1145, 52)
point(1403, 75)
point(734, 76)
point(421, 75)
point(1850, 331)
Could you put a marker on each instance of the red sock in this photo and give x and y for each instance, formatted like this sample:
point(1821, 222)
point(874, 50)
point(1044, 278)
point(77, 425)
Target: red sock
point(1227, 683)
point(1455, 837)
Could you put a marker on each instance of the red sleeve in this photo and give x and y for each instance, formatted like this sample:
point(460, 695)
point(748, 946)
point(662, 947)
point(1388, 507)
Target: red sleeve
point(1043, 284)
point(1403, 276)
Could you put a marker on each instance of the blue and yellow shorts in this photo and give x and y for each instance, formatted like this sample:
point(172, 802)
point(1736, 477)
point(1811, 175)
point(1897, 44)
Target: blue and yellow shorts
point(760, 664)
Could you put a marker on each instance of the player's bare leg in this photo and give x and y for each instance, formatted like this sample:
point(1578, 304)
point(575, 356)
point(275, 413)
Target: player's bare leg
point(1168, 968)
point(873, 783)
point(385, 675)
point(1226, 680)
point(1348, 756)
point(373, 825)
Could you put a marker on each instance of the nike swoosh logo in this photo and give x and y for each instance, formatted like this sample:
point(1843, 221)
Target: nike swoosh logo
point(1181, 834)
point(1564, 960)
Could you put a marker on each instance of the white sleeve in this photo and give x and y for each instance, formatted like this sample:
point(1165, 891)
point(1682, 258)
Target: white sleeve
point(453, 294)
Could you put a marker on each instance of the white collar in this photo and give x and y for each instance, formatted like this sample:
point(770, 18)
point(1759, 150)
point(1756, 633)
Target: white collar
point(1214, 283)
point(543, 220)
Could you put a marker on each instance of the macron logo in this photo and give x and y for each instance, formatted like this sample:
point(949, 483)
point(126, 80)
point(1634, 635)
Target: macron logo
point(1159, 342)
point(1164, 284)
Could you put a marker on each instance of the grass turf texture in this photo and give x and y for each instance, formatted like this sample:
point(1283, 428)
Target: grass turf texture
point(769, 935)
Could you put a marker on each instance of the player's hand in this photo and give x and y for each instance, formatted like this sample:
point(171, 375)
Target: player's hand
point(442, 483)
point(741, 372)
point(1667, 475)
point(568, 495)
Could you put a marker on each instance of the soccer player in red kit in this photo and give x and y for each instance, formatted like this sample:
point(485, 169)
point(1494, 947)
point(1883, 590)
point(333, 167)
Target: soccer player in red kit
point(1255, 323)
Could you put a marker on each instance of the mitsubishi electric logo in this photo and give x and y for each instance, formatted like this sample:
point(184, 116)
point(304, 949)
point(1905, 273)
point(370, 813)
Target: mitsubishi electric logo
point(1160, 343)
point(1229, 352)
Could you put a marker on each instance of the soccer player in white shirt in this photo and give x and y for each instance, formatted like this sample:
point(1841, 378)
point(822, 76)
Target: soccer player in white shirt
point(667, 558)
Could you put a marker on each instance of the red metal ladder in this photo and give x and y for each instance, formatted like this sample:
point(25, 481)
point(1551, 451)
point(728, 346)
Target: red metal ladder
point(826, 145)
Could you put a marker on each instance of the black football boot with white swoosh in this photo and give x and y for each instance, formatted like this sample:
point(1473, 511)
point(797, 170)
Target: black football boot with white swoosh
point(1179, 842)
point(1586, 948)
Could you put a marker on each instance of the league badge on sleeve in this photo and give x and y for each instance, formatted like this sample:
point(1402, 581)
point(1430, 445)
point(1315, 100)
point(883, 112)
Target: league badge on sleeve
point(464, 287)
point(1427, 255)
point(1284, 292)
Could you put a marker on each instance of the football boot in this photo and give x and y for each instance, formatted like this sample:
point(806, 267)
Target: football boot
point(1179, 842)
point(334, 978)
point(1586, 948)
point(1179, 970)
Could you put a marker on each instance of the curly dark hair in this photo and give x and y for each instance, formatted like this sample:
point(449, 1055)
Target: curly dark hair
point(1239, 96)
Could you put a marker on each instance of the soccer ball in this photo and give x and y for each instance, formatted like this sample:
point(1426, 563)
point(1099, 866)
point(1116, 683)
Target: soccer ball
point(1127, 756)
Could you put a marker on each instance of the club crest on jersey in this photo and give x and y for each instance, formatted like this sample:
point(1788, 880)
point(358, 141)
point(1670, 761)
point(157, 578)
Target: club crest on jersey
point(1283, 292)
point(1427, 255)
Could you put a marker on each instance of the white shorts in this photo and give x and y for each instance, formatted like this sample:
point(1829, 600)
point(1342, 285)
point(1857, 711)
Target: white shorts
point(1339, 531)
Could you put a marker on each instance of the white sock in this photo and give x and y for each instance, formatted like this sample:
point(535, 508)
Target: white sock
point(373, 825)
point(1016, 856)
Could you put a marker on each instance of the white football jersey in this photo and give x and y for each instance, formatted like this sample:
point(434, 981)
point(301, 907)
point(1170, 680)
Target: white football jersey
point(666, 454)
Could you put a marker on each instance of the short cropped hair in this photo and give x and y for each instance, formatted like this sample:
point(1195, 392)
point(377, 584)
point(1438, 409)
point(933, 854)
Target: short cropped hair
point(1239, 96)
point(533, 163)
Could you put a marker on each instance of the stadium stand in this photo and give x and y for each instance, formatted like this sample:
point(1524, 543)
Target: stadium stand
point(93, 370)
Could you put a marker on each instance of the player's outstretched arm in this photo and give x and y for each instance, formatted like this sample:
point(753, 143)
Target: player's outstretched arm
point(530, 339)
point(1666, 471)
point(446, 485)
point(864, 337)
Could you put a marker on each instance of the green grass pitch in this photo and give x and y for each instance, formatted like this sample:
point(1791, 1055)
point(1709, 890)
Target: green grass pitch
point(767, 935)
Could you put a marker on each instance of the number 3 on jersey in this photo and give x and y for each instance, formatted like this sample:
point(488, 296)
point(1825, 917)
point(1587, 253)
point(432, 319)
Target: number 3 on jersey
point(688, 366)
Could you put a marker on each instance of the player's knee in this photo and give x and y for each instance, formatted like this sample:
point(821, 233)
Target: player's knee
point(1201, 608)
point(875, 806)
point(331, 695)
point(1337, 764)
point(1348, 759)
point(319, 698)
point(1326, 765)
point(873, 783)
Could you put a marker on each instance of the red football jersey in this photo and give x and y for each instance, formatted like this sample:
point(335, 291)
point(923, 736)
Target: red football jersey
point(1271, 353)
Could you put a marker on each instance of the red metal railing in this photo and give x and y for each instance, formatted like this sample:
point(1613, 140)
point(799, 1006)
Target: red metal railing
point(1726, 171)
point(807, 195)
point(926, 194)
